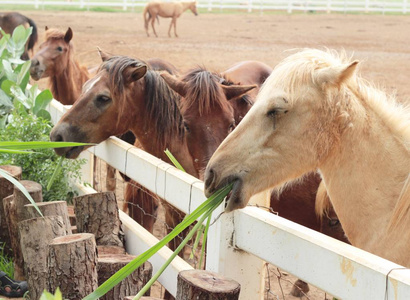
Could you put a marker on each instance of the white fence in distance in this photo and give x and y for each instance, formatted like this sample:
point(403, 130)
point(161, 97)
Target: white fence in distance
point(239, 242)
point(361, 6)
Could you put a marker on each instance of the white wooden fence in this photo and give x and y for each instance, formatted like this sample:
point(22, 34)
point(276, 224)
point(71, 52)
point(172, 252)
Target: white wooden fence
point(239, 242)
point(362, 6)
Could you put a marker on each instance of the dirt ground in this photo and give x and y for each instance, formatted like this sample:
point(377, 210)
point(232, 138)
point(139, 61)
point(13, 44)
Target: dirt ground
point(217, 41)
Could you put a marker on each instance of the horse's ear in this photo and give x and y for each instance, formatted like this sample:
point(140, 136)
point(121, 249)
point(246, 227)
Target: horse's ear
point(46, 28)
point(175, 84)
point(134, 73)
point(104, 55)
point(235, 91)
point(336, 75)
point(68, 35)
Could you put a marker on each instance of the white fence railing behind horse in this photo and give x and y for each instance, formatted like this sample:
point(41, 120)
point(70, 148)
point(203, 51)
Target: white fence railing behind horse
point(239, 242)
point(361, 6)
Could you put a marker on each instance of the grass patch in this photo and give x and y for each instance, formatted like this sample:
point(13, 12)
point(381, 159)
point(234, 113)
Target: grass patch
point(6, 264)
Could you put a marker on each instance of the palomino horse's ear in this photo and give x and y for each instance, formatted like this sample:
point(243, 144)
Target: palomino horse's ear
point(175, 84)
point(104, 55)
point(46, 28)
point(68, 35)
point(134, 73)
point(235, 91)
point(336, 75)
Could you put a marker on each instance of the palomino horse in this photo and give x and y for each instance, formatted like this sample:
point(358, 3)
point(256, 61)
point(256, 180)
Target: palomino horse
point(126, 95)
point(166, 10)
point(55, 60)
point(9, 21)
point(315, 112)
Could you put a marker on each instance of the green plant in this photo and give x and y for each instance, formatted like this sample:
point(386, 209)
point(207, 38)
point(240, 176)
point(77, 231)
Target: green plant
point(6, 263)
point(48, 296)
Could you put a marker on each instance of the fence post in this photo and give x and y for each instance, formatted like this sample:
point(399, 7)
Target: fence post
point(249, 6)
point(124, 7)
point(329, 4)
point(404, 7)
point(210, 5)
point(36, 4)
point(290, 7)
point(366, 6)
point(232, 262)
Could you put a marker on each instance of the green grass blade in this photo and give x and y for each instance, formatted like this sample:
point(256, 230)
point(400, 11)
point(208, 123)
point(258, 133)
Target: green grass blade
point(15, 151)
point(17, 184)
point(196, 228)
point(208, 222)
point(55, 173)
point(39, 145)
point(174, 160)
point(212, 201)
point(198, 237)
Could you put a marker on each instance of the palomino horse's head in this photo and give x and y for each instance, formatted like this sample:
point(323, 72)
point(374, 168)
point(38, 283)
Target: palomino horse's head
point(54, 54)
point(295, 123)
point(106, 107)
point(208, 115)
point(193, 8)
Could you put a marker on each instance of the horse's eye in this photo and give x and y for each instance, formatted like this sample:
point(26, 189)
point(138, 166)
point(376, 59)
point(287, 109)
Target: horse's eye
point(187, 127)
point(101, 99)
point(60, 49)
point(272, 113)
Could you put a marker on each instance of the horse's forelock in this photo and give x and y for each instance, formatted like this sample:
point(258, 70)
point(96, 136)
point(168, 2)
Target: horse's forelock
point(54, 33)
point(203, 91)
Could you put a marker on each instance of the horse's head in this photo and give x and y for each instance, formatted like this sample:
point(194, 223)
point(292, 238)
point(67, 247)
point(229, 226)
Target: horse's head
point(106, 107)
point(208, 115)
point(54, 54)
point(290, 130)
point(193, 8)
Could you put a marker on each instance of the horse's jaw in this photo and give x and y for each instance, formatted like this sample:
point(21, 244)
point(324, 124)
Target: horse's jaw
point(70, 152)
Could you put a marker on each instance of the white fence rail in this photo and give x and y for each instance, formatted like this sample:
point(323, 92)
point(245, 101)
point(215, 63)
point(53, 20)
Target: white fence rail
point(362, 6)
point(239, 242)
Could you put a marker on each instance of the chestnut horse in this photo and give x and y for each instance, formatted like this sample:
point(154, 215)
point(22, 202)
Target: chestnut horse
point(55, 60)
point(9, 21)
point(126, 94)
point(315, 112)
point(166, 10)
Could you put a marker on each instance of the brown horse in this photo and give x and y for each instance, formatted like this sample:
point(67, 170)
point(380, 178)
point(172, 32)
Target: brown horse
point(9, 21)
point(212, 104)
point(166, 10)
point(55, 60)
point(126, 95)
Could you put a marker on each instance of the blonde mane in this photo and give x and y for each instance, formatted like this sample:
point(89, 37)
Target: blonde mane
point(300, 69)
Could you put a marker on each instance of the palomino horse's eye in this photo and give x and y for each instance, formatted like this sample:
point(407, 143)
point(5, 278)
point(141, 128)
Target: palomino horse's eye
point(272, 113)
point(59, 49)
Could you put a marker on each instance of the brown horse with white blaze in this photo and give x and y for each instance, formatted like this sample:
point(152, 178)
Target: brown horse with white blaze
point(55, 60)
point(173, 10)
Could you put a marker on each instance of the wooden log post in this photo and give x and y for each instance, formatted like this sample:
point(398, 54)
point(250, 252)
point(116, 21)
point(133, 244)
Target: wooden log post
point(72, 265)
point(35, 236)
point(142, 298)
point(108, 265)
point(15, 212)
point(54, 208)
point(6, 189)
point(98, 214)
point(206, 285)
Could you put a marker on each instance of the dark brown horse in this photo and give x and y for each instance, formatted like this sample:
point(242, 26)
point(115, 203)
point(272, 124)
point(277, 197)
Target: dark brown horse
point(212, 104)
point(9, 21)
point(56, 60)
point(127, 95)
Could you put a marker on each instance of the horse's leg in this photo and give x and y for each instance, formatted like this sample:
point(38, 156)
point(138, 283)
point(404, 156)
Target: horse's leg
point(175, 27)
point(170, 27)
point(152, 25)
point(110, 180)
point(146, 25)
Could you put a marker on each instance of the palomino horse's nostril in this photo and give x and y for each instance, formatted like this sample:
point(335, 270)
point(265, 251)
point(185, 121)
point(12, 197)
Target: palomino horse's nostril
point(209, 179)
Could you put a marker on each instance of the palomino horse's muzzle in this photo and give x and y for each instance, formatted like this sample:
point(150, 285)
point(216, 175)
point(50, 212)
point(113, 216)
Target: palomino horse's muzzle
point(37, 69)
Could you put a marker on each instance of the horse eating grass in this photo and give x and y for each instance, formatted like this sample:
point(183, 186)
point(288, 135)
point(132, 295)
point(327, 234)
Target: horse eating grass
point(166, 10)
point(315, 112)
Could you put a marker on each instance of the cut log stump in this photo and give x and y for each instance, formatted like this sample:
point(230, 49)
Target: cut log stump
point(98, 214)
point(6, 189)
point(206, 285)
point(72, 265)
point(108, 265)
point(35, 236)
point(54, 208)
point(15, 212)
point(142, 298)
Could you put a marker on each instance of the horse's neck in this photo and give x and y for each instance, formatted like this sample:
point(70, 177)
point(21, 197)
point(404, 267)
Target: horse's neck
point(185, 5)
point(66, 86)
point(364, 176)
